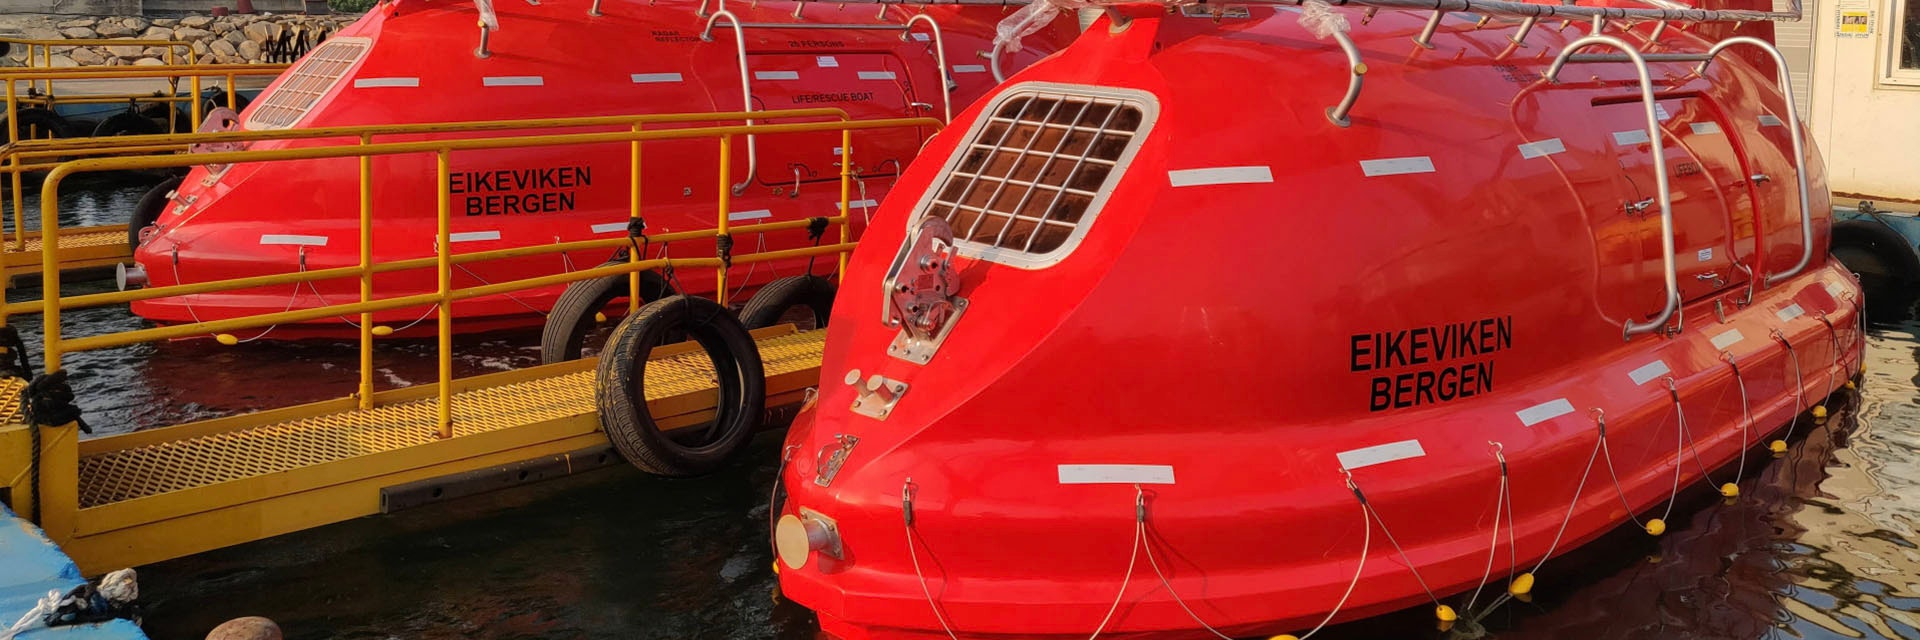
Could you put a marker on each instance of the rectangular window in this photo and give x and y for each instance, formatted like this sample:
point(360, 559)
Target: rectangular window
point(1903, 44)
point(305, 84)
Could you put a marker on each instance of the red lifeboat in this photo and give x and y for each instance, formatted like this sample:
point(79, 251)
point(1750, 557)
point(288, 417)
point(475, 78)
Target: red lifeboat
point(420, 62)
point(1148, 352)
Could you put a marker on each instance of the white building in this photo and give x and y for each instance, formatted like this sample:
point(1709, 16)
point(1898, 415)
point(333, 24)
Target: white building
point(1856, 67)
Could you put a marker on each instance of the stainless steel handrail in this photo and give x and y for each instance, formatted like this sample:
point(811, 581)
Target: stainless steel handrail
point(940, 58)
point(1659, 170)
point(1799, 145)
point(746, 86)
point(1358, 70)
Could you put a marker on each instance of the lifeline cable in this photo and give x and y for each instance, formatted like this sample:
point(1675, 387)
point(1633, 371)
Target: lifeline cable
point(1681, 414)
point(1403, 552)
point(1146, 543)
point(1366, 543)
point(1746, 411)
point(1679, 449)
point(1617, 489)
point(1799, 385)
point(906, 511)
point(1493, 548)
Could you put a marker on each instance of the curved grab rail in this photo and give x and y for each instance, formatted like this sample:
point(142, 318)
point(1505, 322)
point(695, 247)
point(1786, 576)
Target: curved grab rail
point(1799, 145)
point(1358, 72)
point(746, 86)
point(1659, 169)
point(940, 57)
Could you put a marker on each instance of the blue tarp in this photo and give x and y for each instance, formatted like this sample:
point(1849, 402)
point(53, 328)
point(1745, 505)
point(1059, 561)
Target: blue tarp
point(30, 566)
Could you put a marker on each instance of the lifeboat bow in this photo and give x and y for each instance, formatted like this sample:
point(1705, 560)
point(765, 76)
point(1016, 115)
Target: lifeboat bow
point(1185, 332)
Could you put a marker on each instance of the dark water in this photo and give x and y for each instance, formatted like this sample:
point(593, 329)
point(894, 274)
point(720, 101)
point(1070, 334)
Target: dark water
point(1821, 543)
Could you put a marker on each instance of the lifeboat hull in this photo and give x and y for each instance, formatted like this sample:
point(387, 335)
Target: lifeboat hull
point(552, 61)
point(1391, 353)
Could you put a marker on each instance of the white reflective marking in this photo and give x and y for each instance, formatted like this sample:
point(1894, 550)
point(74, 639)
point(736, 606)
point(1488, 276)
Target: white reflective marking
point(921, 37)
point(1660, 111)
point(370, 83)
point(513, 81)
point(1544, 411)
point(1219, 175)
point(969, 68)
point(826, 61)
point(860, 203)
point(1704, 254)
point(1835, 289)
point(1542, 148)
point(1769, 120)
point(776, 75)
point(609, 227)
point(275, 238)
point(652, 78)
point(1704, 128)
point(1630, 136)
point(755, 214)
point(1649, 372)
point(1116, 474)
point(1790, 312)
point(876, 75)
point(1728, 339)
point(473, 236)
point(1396, 166)
point(1380, 454)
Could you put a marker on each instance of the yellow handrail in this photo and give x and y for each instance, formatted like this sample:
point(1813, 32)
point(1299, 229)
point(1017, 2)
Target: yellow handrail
point(170, 72)
point(443, 260)
point(13, 153)
point(46, 48)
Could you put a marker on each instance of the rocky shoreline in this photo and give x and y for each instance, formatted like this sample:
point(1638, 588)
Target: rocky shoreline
point(232, 39)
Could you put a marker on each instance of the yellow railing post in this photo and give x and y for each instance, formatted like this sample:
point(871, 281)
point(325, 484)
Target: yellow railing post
point(366, 273)
point(19, 206)
point(230, 100)
point(846, 195)
point(720, 233)
point(633, 213)
point(194, 82)
point(50, 267)
point(444, 253)
point(13, 110)
point(59, 502)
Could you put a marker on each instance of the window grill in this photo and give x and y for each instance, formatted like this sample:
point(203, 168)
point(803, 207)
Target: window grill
point(306, 83)
point(1033, 174)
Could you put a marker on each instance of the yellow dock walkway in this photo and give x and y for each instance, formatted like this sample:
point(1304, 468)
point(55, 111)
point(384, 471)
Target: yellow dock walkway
point(82, 250)
point(165, 493)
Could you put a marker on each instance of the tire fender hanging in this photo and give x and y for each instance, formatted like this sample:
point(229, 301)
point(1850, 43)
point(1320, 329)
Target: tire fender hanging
point(620, 389)
point(577, 310)
point(773, 301)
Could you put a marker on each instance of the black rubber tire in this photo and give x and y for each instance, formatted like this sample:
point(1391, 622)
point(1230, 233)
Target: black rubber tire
point(572, 317)
point(772, 302)
point(43, 120)
point(148, 209)
point(127, 124)
point(621, 381)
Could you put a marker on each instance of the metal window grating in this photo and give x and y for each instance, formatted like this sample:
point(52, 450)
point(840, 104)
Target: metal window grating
point(1032, 175)
point(306, 83)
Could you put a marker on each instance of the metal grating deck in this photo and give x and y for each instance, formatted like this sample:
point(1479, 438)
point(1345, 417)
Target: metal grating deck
point(184, 464)
point(11, 412)
point(77, 239)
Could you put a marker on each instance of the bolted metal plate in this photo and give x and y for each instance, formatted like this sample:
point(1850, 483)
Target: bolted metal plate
point(905, 347)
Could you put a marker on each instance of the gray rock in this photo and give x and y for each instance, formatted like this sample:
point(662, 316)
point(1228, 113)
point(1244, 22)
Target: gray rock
point(190, 34)
point(136, 23)
point(259, 32)
point(234, 37)
point(78, 33)
point(250, 50)
point(197, 22)
point(154, 52)
point(112, 29)
point(157, 33)
point(165, 22)
point(82, 22)
point(42, 33)
point(249, 628)
point(223, 49)
point(63, 61)
point(126, 51)
point(148, 62)
point(200, 48)
point(87, 56)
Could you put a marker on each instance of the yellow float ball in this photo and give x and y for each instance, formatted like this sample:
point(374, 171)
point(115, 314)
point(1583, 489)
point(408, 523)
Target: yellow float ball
point(1283, 637)
point(1778, 447)
point(1522, 584)
point(1730, 490)
point(1445, 613)
point(383, 330)
point(1656, 527)
point(599, 316)
point(1819, 411)
point(226, 339)
point(1851, 385)
point(776, 568)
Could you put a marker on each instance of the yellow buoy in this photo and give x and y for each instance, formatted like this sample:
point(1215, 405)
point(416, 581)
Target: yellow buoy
point(1653, 559)
point(1730, 490)
point(1851, 385)
point(1283, 637)
point(1522, 584)
point(776, 568)
point(1819, 411)
point(383, 330)
point(1445, 613)
point(1778, 447)
point(226, 339)
point(599, 316)
point(1656, 527)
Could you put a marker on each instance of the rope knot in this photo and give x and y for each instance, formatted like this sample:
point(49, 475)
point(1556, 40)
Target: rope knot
point(816, 227)
point(723, 244)
point(636, 227)
point(11, 345)
point(48, 401)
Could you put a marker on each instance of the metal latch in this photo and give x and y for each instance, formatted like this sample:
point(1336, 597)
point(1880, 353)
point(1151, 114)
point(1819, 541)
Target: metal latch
point(922, 293)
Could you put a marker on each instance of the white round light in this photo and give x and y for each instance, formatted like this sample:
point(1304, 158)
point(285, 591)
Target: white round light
point(790, 541)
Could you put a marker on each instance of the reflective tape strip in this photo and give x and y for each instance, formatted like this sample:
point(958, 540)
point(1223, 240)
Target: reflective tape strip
point(1728, 339)
point(876, 75)
point(1219, 175)
point(473, 236)
point(826, 61)
point(609, 227)
point(864, 204)
point(652, 78)
point(1835, 289)
point(372, 83)
point(1544, 411)
point(1660, 112)
point(513, 81)
point(1649, 372)
point(776, 75)
point(1769, 120)
point(1790, 312)
point(969, 68)
point(921, 37)
point(1545, 147)
point(1396, 166)
point(1380, 454)
point(1631, 136)
point(274, 238)
point(749, 215)
point(1116, 474)
point(1704, 128)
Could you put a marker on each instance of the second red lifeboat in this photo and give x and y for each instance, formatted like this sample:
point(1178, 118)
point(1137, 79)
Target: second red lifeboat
point(1143, 352)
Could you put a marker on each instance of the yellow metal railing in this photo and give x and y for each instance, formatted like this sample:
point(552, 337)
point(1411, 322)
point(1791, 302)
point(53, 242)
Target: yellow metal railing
point(45, 48)
point(170, 72)
point(15, 157)
point(56, 344)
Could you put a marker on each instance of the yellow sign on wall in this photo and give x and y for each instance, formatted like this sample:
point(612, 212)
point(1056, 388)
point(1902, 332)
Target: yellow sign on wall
point(1855, 23)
